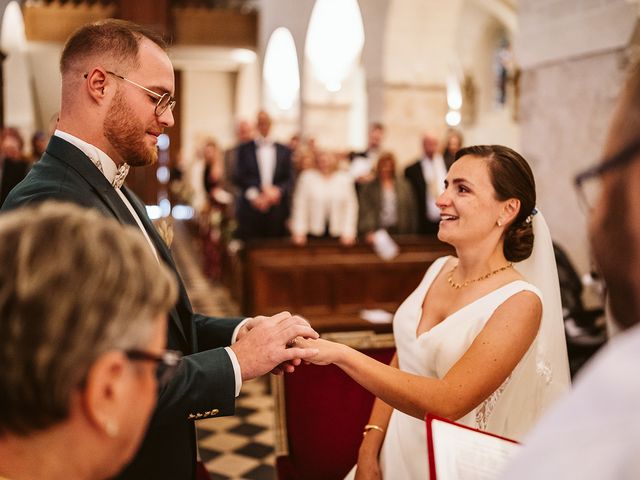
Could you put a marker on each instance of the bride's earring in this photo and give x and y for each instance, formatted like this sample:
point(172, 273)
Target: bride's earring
point(499, 222)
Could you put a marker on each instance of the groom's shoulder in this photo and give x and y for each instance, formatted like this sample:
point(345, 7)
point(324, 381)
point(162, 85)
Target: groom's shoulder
point(49, 179)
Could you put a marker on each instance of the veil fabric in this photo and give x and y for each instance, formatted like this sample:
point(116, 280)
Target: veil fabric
point(543, 374)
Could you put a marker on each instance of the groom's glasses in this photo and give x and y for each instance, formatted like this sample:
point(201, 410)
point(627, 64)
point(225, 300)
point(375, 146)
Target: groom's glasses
point(589, 182)
point(164, 99)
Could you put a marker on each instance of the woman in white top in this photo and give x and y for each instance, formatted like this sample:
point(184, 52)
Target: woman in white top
point(325, 203)
point(476, 342)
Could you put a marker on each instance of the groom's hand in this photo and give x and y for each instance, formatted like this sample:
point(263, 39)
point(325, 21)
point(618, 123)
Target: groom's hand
point(265, 344)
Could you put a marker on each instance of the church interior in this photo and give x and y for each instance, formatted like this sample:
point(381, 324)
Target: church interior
point(339, 83)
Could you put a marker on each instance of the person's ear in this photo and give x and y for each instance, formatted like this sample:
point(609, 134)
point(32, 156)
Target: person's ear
point(97, 84)
point(104, 392)
point(510, 210)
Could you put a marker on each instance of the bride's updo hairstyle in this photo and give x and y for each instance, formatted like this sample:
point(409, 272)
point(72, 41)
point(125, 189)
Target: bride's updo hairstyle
point(511, 177)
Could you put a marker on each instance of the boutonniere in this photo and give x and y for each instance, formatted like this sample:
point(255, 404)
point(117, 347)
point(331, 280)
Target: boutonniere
point(165, 230)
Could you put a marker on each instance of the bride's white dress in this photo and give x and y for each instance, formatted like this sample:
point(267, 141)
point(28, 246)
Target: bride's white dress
point(432, 354)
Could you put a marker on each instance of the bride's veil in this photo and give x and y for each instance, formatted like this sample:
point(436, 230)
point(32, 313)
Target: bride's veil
point(543, 374)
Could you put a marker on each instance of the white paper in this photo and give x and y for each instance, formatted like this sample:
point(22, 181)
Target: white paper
point(463, 454)
point(384, 246)
point(376, 315)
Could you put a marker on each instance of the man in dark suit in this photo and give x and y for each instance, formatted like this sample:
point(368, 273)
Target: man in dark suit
point(426, 176)
point(117, 87)
point(264, 177)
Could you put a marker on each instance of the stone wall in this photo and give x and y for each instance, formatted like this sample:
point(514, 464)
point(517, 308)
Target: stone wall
point(572, 54)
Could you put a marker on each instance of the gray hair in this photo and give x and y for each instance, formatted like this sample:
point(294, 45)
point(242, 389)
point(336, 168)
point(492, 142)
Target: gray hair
point(73, 285)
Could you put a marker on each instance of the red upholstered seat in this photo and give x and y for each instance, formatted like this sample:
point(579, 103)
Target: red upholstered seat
point(325, 414)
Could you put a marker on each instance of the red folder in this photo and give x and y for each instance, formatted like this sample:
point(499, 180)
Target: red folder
point(458, 452)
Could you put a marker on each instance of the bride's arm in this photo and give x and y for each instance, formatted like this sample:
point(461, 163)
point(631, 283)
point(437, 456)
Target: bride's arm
point(372, 442)
point(487, 363)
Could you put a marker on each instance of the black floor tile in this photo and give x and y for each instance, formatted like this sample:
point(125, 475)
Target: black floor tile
point(244, 411)
point(262, 472)
point(202, 433)
point(217, 476)
point(255, 450)
point(247, 429)
point(207, 455)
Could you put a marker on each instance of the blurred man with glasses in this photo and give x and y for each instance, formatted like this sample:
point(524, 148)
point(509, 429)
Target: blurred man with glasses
point(117, 98)
point(594, 433)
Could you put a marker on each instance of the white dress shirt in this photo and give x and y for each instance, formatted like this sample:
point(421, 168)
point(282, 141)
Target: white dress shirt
point(107, 166)
point(434, 172)
point(266, 155)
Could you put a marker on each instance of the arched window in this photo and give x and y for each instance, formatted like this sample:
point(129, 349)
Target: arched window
point(18, 97)
point(334, 41)
point(280, 72)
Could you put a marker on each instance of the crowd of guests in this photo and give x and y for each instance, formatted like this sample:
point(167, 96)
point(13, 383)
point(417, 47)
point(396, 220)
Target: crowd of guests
point(302, 191)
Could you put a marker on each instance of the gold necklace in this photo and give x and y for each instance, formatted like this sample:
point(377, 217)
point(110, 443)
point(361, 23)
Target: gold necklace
point(468, 282)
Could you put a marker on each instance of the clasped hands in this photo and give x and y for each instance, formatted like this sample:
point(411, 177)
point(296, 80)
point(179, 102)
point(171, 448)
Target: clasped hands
point(277, 344)
point(269, 196)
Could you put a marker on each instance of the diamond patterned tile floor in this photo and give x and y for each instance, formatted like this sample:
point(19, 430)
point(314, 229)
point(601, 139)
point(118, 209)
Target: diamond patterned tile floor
point(242, 446)
point(238, 447)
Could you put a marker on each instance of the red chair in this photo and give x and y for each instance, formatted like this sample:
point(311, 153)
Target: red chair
point(320, 415)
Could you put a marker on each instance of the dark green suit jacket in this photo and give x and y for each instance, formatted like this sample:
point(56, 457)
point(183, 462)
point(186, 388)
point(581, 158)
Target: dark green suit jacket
point(205, 383)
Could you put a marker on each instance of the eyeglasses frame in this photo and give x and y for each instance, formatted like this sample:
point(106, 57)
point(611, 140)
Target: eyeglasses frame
point(169, 358)
point(170, 105)
point(625, 156)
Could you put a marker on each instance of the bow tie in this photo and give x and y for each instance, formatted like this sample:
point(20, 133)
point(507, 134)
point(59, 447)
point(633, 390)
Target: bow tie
point(121, 174)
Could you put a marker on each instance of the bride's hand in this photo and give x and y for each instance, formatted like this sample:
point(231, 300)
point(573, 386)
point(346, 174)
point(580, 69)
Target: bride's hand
point(368, 469)
point(327, 351)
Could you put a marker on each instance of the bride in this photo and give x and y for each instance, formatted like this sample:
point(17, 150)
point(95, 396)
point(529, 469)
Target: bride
point(481, 339)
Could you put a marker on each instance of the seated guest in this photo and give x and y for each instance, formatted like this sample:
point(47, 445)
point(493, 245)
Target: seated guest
point(387, 202)
point(82, 336)
point(13, 163)
point(325, 203)
point(452, 143)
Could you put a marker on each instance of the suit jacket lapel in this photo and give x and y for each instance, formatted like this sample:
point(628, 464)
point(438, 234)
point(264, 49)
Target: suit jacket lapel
point(77, 160)
point(165, 254)
point(253, 159)
point(140, 209)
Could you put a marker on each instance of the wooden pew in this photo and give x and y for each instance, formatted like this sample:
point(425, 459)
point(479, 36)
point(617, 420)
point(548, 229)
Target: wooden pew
point(320, 412)
point(328, 283)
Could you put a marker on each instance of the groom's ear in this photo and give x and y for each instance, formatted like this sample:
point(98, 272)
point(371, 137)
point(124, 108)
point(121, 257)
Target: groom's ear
point(510, 210)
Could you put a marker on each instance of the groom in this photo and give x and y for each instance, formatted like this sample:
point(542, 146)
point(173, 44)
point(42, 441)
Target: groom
point(117, 97)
